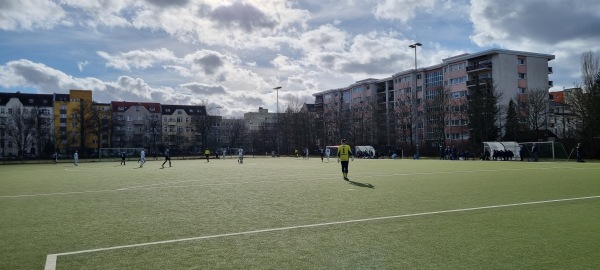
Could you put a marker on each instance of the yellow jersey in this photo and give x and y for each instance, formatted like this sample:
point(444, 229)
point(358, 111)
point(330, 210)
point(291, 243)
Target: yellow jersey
point(344, 152)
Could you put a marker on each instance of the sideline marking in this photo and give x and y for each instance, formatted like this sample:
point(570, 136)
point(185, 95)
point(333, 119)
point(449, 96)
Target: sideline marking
point(52, 258)
point(171, 184)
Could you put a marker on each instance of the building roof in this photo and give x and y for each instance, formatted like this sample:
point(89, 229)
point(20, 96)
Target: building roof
point(115, 105)
point(31, 100)
point(189, 109)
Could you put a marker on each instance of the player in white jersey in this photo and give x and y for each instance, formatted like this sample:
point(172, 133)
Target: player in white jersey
point(142, 158)
point(327, 153)
point(240, 155)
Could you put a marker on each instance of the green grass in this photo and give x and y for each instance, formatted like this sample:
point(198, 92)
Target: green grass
point(103, 205)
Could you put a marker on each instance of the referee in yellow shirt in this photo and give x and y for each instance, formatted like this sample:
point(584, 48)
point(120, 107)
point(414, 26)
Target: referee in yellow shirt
point(344, 154)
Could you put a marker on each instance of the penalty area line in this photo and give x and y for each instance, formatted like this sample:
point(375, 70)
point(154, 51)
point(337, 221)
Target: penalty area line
point(51, 259)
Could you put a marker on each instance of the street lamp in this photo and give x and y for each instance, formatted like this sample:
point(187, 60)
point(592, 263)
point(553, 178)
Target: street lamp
point(415, 111)
point(277, 116)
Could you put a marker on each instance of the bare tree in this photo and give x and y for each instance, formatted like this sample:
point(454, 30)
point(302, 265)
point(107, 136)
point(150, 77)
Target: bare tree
point(584, 102)
point(20, 128)
point(535, 108)
point(236, 133)
point(483, 111)
point(84, 124)
point(43, 124)
point(153, 125)
point(404, 119)
point(203, 123)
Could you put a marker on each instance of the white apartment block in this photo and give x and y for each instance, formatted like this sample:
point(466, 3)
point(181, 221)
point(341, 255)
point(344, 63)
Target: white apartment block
point(512, 73)
point(32, 109)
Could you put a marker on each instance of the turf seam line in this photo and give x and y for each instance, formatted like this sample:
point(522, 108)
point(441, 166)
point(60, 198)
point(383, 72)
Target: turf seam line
point(51, 259)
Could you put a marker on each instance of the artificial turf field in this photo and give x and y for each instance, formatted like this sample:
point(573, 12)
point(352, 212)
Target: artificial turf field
point(290, 213)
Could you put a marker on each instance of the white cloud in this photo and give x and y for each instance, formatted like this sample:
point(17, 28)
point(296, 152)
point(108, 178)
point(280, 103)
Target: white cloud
point(403, 10)
point(82, 64)
point(30, 14)
point(139, 59)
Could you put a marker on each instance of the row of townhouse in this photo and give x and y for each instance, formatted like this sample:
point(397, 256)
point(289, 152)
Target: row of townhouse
point(40, 124)
point(512, 74)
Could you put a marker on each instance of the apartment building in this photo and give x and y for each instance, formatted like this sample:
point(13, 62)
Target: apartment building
point(178, 129)
point(136, 125)
point(25, 124)
point(401, 116)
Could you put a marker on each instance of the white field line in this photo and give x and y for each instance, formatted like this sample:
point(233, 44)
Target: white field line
point(176, 183)
point(52, 258)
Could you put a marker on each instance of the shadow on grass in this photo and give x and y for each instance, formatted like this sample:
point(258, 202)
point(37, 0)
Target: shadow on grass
point(359, 184)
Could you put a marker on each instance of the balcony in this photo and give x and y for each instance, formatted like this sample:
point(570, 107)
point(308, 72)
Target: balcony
point(550, 70)
point(479, 82)
point(478, 67)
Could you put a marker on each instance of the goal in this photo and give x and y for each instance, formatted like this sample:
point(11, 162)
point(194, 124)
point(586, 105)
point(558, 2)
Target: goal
point(546, 150)
point(113, 154)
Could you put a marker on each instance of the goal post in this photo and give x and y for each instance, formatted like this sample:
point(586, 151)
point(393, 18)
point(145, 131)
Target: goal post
point(112, 154)
point(546, 150)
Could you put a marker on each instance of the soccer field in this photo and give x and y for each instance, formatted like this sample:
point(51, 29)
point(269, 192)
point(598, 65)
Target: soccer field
point(291, 213)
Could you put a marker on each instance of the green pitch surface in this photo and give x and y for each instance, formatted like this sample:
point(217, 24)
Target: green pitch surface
point(288, 213)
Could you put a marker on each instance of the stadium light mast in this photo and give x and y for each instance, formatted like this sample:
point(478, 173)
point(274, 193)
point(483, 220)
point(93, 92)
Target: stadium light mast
point(277, 116)
point(414, 101)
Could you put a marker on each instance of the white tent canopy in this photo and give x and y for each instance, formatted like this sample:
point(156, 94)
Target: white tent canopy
point(502, 146)
point(365, 151)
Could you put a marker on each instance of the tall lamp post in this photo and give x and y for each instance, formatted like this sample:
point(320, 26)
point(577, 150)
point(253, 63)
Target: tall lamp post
point(415, 110)
point(277, 116)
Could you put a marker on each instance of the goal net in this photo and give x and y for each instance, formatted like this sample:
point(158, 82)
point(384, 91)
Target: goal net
point(546, 150)
point(115, 153)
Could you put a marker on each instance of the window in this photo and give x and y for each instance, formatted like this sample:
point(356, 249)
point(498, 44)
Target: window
point(433, 79)
point(129, 118)
point(458, 80)
point(152, 109)
point(63, 107)
point(521, 61)
point(1, 110)
point(168, 110)
point(10, 110)
point(137, 108)
point(74, 124)
point(522, 76)
point(521, 90)
point(179, 119)
point(179, 112)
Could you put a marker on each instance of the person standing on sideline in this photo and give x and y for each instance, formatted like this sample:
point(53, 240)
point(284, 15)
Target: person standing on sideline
point(224, 153)
point(76, 158)
point(142, 158)
point(521, 151)
point(344, 154)
point(322, 152)
point(240, 155)
point(55, 156)
point(535, 150)
point(207, 154)
point(122, 154)
point(327, 153)
point(167, 158)
point(579, 153)
point(306, 152)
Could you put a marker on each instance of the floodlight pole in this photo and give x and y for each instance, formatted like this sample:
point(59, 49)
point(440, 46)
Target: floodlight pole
point(277, 117)
point(414, 101)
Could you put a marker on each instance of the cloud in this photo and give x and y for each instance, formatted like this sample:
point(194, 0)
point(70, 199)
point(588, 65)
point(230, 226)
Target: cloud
point(403, 10)
point(537, 21)
point(139, 59)
point(30, 14)
point(242, 15)
point(204, 89)
point(81, 65)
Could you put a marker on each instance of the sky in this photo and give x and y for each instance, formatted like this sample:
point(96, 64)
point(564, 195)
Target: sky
point(229, 55)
